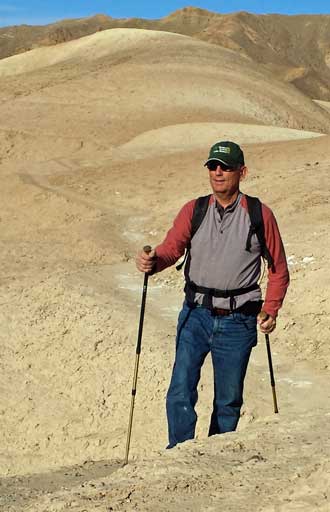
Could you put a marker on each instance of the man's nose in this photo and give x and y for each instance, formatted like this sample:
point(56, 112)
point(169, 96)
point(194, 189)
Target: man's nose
point(219, 170)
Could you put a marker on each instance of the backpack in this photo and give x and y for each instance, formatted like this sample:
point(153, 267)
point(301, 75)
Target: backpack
point(257, 226)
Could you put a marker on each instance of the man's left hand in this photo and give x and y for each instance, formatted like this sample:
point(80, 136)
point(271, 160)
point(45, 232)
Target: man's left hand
point(266, 322)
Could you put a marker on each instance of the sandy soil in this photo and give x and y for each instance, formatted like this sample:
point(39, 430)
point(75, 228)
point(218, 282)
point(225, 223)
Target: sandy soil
point(97, 156)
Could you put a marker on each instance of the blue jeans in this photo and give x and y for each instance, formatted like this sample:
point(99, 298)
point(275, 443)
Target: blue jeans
point(230, 340)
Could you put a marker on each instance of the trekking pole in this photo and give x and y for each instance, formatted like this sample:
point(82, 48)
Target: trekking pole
point(146, 249)
point(272, 380)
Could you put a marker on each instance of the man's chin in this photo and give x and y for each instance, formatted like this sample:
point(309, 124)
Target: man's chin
point(219, 189)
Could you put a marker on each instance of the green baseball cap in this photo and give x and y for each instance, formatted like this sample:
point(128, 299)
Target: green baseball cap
point(226, 152)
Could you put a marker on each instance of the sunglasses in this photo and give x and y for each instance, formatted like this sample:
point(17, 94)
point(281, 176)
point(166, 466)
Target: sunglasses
point(213, 164)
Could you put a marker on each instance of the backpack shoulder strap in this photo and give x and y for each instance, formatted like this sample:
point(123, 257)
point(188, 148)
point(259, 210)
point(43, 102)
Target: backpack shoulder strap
point(258, 228)
point(200, 209)
point(255, 214)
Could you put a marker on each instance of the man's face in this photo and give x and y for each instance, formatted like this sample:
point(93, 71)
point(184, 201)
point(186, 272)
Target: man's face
point(225, 180)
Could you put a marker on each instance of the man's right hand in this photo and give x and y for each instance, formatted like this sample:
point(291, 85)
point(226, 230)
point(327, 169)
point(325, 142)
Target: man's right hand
point(145, 261)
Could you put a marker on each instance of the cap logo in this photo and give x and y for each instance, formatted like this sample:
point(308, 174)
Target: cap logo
point(222, 149)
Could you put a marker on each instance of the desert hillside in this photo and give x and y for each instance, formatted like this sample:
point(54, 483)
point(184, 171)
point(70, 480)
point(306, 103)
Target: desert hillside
point(295, 48)
point(102, 140)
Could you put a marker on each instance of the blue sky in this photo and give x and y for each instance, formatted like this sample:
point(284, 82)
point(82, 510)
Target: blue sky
point(34, 12)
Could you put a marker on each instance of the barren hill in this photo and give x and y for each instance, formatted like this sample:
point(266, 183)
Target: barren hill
point(161, 77)
point(295, 48)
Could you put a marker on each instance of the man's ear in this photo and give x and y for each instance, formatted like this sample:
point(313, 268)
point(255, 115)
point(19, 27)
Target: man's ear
point(243, 172)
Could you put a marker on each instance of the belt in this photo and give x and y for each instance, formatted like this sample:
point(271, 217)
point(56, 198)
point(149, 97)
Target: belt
point(220, 312)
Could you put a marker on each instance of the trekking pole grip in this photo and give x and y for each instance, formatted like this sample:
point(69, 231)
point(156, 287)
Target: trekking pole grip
point(147, 249)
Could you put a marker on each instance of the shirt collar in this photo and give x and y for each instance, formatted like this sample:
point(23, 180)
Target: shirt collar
point(230, 208)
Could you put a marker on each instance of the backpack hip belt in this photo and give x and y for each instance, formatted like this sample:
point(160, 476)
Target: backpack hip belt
point(192, 288)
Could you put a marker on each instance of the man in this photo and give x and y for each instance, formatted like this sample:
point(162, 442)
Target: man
point(223, 300)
